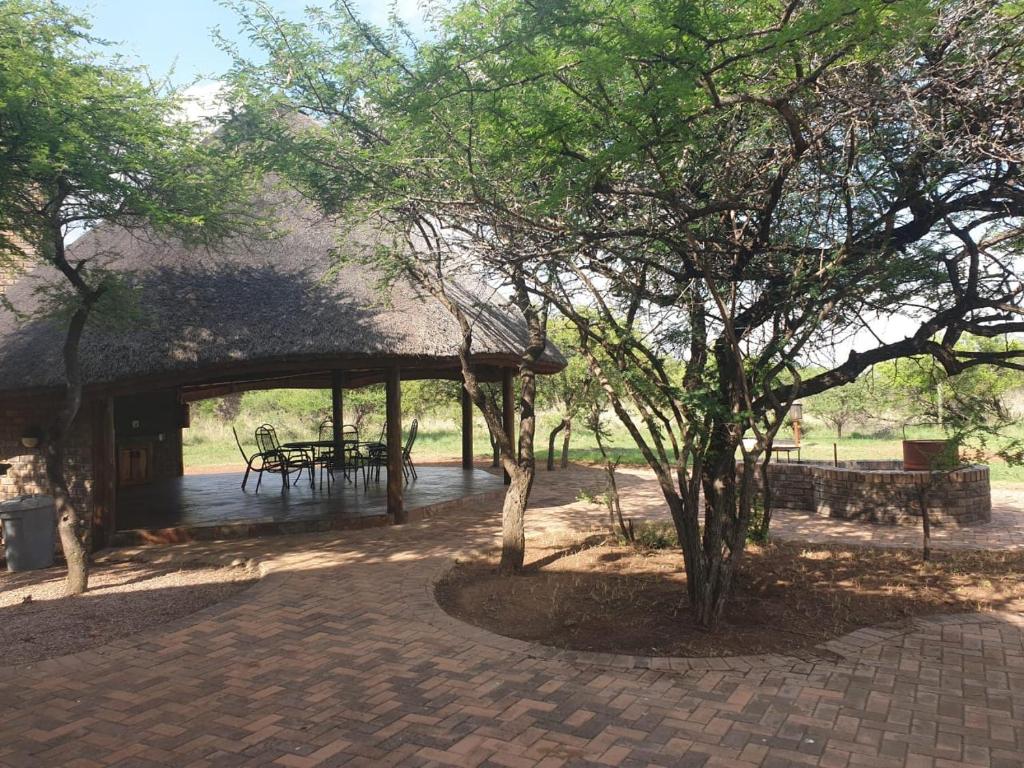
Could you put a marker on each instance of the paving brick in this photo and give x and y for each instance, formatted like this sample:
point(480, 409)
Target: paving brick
point(340, 656)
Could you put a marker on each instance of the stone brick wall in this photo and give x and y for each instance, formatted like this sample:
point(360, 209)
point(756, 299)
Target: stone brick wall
point(881, 492)
point(792, 486)
point(959, 498)
point(27, 474)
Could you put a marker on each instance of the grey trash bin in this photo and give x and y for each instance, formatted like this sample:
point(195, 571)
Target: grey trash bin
point(30, 529)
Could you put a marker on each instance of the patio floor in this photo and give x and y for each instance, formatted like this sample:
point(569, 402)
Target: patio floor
point(213, 506)
point(340, 656)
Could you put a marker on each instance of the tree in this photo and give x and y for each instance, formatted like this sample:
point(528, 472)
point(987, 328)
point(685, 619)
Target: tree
point(919, 388)
point(726, 185)
point(361, 159)
point(85, 139)
point(843, 405)
point(570, 391)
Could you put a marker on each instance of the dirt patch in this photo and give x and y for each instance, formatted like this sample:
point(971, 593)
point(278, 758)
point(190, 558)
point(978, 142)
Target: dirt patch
point(612, 598)
point(38, 622)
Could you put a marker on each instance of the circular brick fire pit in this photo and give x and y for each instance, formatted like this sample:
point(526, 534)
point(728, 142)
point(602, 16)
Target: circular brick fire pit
point(882, 492)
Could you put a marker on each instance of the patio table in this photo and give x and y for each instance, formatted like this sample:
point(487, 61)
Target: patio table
point(788, 450)
point(314, 446)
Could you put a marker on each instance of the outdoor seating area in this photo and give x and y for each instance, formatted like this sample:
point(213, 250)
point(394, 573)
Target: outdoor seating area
point(333, 452)
point(204, 507)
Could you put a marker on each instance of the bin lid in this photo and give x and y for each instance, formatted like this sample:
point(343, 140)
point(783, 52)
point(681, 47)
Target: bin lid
point(26, 504)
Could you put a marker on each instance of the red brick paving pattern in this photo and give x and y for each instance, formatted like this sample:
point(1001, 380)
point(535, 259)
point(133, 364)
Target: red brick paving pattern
point(341, 657)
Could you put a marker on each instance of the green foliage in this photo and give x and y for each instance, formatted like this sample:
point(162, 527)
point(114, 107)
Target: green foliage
point(655, 536)
point(921, 391)
point(572, 389)
point(758, 532)
point(86, 138)
point(843, 406)
point(727, 185)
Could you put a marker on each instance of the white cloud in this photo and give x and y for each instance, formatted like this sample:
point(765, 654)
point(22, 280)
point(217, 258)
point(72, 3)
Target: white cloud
point(204, 100)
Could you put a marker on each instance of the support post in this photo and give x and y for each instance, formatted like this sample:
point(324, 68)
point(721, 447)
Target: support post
point(467, 430)
point(508, 408)
point(338, 416)
point(396, 480)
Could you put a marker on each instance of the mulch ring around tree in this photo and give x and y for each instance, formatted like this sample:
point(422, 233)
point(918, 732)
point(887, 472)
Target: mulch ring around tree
point(37, 621)
point(600, 595)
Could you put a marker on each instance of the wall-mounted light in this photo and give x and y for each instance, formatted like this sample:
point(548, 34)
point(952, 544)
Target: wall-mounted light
point(30, 438)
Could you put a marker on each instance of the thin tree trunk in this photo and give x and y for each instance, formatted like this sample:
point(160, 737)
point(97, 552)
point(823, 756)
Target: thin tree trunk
point(766, 495)
point(613, 500)
point(70, 526)
point(926, 521)
point(513, 519)
point(551, 443)
point(518, 459)
point(565, 444)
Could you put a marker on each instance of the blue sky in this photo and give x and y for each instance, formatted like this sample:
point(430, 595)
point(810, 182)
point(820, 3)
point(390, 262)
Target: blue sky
point(166, 34)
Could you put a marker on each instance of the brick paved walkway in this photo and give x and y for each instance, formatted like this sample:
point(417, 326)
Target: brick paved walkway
point(340, 656)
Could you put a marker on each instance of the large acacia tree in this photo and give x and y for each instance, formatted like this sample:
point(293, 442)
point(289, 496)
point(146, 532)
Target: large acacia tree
point(83, 140)
point(328, 102)
point(732, 185)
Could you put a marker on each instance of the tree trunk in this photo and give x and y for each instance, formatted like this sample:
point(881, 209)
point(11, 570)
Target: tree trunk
point(513, 522)
point(70, 526)
point(551, 443)
point(72, 529)
point(495, 450)
point(565, 444)
point(612, 497)
point(766, 495)
point(839, 430)
point(926, 521)
point(518, 459)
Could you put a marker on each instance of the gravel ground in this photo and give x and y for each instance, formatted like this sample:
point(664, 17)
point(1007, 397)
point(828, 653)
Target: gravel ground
point(38, 622)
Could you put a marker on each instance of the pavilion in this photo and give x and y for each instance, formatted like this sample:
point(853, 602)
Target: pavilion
point(193, 323)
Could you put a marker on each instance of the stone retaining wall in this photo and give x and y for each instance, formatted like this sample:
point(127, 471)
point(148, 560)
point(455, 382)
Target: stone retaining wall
point(881, 492)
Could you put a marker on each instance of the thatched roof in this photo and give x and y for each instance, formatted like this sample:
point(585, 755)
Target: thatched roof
point(251, 309)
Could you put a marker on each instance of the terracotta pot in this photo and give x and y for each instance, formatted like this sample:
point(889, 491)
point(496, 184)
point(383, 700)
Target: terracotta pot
point(925, 455)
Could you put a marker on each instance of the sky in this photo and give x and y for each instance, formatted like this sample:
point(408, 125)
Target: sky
point(175, 35)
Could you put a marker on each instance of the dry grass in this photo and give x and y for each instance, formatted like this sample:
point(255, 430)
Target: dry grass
point(598, 595)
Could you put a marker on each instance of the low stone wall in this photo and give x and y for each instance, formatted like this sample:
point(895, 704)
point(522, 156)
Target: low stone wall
point(881, 492)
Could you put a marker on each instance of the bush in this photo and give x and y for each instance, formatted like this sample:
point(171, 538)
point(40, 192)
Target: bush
point(656, 536)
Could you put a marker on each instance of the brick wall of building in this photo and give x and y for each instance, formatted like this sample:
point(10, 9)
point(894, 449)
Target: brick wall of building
point(27, 474)
point(154, 420)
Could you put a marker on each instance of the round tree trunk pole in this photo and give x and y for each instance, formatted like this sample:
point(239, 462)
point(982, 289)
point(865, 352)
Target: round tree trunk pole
point(508, 407)
point(467, 430)
point(396, 480)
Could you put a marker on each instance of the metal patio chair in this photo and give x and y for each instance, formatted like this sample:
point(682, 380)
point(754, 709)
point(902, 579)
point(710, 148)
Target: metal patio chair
point(378, 455)
point(354, 460)
point(282, 460)
point(408, 468)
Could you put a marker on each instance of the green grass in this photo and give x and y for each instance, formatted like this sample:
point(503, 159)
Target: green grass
point(296, 414)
